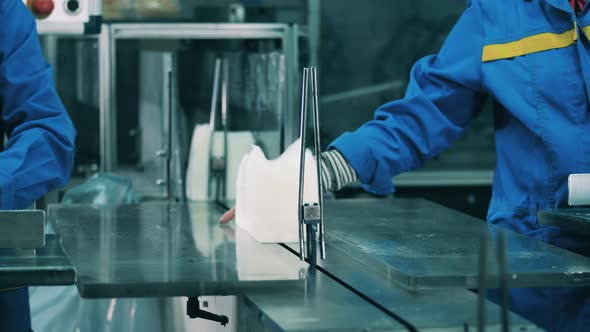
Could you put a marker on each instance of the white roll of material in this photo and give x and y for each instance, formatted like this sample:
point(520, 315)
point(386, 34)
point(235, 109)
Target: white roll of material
point(268, 192)
point(198, 179)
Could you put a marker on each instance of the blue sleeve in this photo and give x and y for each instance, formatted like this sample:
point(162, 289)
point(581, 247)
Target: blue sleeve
point(442, 98)
point(38, 153)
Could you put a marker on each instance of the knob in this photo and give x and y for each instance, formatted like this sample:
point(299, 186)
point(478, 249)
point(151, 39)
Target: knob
point(72, 6)
point(42, 8)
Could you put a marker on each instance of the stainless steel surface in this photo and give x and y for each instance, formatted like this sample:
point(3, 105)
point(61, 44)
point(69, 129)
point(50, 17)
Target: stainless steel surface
point(426, 310)
point(167, 249)
point(320, 304)
point(107, 87)
point(419, 244)
point(575, 220)
point(45, 266)
point(24, 229)
point(579, 189)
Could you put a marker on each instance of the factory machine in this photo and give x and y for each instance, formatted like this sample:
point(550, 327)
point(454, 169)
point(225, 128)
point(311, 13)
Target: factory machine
point(376, 264)
point(67, 17)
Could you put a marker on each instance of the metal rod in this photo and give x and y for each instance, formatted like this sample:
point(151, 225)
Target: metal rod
point(503, 273)
point(316, 129)
point(214, 97)
point(215, 93)
point(107, 103)
point(224, 105)
point(302, 131)
point(482, 283)
point(169, 148)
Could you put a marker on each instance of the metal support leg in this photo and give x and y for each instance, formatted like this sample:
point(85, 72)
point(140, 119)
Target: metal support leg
point(194, 311)
point(483, 282)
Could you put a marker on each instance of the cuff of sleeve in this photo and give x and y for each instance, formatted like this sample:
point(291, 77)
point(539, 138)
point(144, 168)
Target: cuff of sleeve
point(360, 156)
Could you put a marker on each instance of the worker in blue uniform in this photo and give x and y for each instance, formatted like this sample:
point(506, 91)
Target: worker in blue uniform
point(38, 152)
point(533, 58)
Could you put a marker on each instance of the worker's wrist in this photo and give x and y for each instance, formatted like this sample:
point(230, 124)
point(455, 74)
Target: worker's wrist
point(336, 171)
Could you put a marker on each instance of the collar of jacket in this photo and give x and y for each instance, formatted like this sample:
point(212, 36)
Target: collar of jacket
point(560, 4)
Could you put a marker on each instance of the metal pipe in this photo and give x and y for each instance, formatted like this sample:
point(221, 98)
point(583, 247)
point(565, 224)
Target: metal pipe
point(169, 125)
point(503, 273)
point(224, 105)
point(214, 96)
point(302, 131)
point(316, 129)
point(482, 283)
point(215, 93)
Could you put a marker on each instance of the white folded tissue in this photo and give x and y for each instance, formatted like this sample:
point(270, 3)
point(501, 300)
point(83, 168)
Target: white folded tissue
point(267, 194)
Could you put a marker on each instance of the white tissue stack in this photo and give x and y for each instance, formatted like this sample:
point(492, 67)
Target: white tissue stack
point(268, 191)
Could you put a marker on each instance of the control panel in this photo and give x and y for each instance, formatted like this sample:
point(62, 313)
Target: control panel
point(67, 16)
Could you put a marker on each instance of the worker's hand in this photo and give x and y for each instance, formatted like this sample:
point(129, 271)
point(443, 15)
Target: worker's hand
point(228, 216)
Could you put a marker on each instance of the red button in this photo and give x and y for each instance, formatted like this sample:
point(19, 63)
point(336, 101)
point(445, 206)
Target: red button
point(42, 8)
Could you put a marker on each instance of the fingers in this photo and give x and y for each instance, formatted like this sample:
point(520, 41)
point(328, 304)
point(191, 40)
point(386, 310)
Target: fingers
point(228, 216)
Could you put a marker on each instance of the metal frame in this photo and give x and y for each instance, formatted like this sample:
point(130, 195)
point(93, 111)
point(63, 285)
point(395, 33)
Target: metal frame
point(110, 33)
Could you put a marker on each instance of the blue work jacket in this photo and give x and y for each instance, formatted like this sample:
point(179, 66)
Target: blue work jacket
point(38, 153)
point(533, 58)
